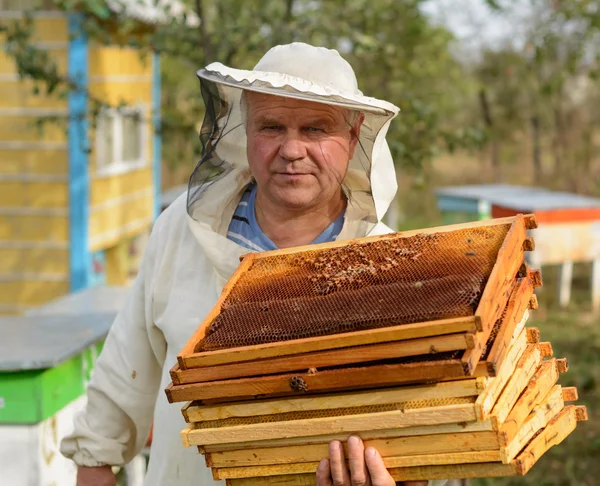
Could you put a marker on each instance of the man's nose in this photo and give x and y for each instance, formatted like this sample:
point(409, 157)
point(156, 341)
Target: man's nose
point(292, 147)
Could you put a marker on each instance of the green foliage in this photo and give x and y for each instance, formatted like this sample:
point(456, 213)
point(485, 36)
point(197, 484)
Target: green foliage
point(33, 63)
point(398, 55)
point(536, 89)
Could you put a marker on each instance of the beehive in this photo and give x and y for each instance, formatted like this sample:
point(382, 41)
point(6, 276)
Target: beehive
point(431, 322)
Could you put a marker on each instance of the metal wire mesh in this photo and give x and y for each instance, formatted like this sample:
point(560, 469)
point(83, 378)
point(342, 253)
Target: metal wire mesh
point(359, 286)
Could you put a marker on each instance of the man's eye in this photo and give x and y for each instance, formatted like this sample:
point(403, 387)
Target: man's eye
point(272, 128)
point(313, 130)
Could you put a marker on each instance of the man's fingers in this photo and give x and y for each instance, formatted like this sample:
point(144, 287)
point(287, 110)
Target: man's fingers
point(337, 464)
point(324, 473)
point(359, 476)
point(379, 474)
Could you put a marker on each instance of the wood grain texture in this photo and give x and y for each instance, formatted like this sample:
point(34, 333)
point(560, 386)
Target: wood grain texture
point(390, 462)
point(336, 341)
point(554, 433)
point(570, 394)
point(194, 412)
point(287, 480)
point(497, 290)
point(533, 335)
point(387, 447)
point(517, 315)
point(328, 380)
point(417, 473)
point(529, 244)
point(457, 428)
point(487, 399)
point(546, 349)
point(536, 391)
point(522, 375)
point(533, 302)
point(563, 365)
point(324, 359)
point(446, 414)
point(581, 413)
point(454, 471)
point(538, 419)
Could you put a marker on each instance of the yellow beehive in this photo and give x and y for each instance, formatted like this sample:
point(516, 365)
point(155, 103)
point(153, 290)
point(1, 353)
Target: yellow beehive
point(76, 194)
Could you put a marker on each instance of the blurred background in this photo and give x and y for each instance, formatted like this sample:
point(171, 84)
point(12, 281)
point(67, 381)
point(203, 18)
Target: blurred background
point(100, 110)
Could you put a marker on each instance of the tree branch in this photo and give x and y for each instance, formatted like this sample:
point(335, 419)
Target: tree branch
point(208, 48)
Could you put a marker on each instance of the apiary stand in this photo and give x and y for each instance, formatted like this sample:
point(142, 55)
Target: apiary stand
point(46, 360)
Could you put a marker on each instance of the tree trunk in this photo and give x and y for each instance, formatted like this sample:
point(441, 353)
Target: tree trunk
point(558, 142)
point(489, 123)
point(537, 153)
point(206, 43)
point(586, 155)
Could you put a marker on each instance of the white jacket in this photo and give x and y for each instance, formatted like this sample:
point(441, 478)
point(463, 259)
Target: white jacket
point(187, 262)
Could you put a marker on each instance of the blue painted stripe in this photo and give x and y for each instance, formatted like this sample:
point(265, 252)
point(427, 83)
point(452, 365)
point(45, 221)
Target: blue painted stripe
point(80, 257)
point(156, 136)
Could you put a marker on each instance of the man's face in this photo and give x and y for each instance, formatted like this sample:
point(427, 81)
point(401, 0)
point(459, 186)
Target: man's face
point(298, 151)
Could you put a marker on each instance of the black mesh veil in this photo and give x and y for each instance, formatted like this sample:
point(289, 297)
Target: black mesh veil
point(223, 140)
point(211, 167)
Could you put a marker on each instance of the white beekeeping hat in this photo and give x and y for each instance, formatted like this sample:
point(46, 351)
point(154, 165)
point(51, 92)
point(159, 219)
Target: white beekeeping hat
point(304, 72)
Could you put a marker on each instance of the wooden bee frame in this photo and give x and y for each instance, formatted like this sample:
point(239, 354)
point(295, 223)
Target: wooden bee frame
point(264, 414)
point(226, 374)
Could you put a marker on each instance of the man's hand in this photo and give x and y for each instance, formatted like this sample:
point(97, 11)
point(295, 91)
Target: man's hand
point(95, 476)
point(366, 467)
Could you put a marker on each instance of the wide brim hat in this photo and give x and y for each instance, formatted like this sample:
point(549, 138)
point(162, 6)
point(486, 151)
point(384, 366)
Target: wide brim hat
point(304, 72)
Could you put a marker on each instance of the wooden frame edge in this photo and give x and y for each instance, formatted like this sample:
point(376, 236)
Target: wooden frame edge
point(200, 332)
point(335, 341)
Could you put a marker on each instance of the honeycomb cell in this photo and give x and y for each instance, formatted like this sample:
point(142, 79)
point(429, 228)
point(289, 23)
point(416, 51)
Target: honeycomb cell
point(360, 286)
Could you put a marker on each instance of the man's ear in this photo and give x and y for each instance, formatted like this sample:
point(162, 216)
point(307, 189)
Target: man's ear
point(355, 134)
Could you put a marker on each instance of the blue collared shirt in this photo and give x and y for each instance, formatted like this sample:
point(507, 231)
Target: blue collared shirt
point(244, 229)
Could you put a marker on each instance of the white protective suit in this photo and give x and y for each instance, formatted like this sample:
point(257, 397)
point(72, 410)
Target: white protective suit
point(189, 259)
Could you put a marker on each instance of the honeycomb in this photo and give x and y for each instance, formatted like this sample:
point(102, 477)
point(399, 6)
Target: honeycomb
point(360, 286)
point(337, 412)
point(493, 334)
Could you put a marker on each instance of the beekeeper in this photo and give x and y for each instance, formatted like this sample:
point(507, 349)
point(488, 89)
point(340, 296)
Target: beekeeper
point(293, 154)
